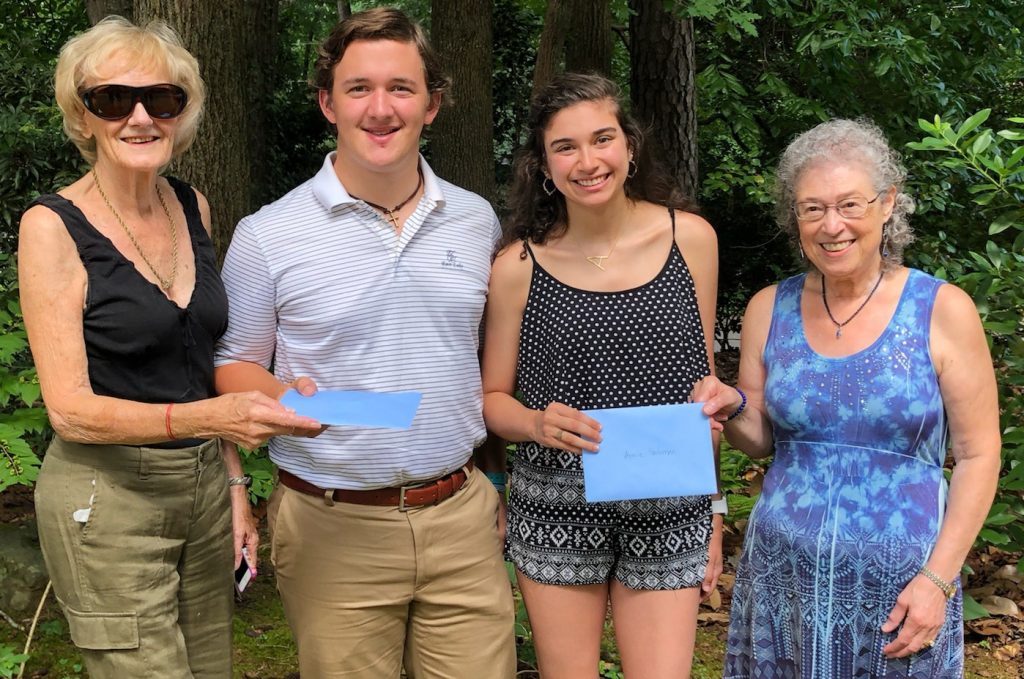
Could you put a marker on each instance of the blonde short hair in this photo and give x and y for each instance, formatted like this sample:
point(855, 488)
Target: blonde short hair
point(153, 45)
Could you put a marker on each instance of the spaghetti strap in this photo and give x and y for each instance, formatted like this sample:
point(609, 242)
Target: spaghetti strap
point(526, 246)
point(672, 215)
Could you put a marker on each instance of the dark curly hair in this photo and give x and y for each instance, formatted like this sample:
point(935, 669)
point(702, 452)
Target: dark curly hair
point(536, 216)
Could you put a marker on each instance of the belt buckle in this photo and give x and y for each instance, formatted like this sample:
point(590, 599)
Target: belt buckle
point(402, 507)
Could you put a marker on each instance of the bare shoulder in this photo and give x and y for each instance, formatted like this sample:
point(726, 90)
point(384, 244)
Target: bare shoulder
point(42, 227)
point(759, 308)
point(953, 306)
point(512, 264)
point(694, 230)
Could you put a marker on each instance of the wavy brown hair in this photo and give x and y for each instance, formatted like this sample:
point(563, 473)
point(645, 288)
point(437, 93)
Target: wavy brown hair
point(536, 216)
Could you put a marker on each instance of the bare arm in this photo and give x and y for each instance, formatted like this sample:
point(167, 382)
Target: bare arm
point(751, 431)
point(967, 382)
point(505, 416)
point(53, 287)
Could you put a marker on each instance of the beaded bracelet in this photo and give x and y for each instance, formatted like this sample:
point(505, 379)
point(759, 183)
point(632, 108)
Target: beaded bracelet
point(743, 405)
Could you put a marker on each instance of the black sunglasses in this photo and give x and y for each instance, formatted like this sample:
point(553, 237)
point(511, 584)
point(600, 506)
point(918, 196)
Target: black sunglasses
point(113, 102)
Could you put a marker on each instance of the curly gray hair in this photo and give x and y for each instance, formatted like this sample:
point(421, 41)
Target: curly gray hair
point(847, 140)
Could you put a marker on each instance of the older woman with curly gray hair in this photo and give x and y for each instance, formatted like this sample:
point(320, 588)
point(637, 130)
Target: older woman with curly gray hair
point(858, 375)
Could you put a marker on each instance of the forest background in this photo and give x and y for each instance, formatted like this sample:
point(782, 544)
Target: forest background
point(723, 86)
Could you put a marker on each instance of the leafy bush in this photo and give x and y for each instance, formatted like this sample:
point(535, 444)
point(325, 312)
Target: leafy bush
point(992, 166)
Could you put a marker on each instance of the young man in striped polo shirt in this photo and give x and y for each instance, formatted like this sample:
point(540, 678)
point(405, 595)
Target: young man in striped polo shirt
point(372, 275)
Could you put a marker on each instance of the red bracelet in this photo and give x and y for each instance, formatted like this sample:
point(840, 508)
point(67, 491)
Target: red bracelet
point(167, 422)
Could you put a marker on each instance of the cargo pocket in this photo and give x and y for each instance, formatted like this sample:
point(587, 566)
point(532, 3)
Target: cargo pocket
point(103, 631)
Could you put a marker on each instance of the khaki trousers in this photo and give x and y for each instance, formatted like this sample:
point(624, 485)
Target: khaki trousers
point(369, 589)
point(137, 542)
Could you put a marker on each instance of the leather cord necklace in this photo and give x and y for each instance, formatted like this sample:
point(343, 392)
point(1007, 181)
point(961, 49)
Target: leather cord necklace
point(840, 326)
point(389, 213)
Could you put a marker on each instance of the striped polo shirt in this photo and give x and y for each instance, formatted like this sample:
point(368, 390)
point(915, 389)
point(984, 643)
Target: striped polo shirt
point(319, 284)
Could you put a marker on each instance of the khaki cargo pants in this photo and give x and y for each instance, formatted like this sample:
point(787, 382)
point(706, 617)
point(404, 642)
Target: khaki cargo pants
point(137, 542)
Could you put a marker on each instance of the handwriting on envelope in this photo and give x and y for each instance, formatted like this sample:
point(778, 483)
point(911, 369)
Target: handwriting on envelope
point(650, 452)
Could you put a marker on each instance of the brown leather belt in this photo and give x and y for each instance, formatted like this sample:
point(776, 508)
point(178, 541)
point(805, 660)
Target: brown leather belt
point(403, 497)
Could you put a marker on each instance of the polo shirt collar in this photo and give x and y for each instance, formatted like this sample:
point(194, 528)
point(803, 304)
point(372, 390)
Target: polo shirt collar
point(331, 194)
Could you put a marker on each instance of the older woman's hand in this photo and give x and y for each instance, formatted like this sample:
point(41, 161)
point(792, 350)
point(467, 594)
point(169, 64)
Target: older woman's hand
point(719, 399)
point(921, 608)
point(249, 418)
point(243, 527)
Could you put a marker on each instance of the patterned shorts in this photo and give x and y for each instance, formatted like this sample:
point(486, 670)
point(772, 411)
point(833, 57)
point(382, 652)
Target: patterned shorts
point(556, 537)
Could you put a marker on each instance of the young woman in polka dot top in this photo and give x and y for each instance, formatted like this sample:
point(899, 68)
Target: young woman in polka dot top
point(603, 297)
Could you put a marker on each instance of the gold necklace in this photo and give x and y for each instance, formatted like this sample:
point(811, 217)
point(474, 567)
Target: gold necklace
point(598, 260)
point(165, 283)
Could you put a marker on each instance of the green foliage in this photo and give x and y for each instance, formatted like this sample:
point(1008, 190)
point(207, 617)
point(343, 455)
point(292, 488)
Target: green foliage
point(771, 69)
point(990, 165)
point(256, 464)
point(22, 422)
point(10, 660)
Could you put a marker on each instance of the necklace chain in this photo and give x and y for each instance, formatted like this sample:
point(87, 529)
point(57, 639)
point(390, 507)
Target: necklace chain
point(840, 326)
point(598, 260)
point(165, 283)
point(389, 213)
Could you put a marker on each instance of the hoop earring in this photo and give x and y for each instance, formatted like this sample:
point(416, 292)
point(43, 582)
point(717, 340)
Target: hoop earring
point(544, 185)
point(633, 169)
point(801, 249)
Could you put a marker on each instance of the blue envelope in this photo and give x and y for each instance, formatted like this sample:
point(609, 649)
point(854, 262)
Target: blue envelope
point(394, 410)
point(650, 452)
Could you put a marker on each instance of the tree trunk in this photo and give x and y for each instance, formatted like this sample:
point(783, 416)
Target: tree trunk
point(98, 9)
point(462, 138)
point(588, 45)
point(552, 42)
point(662, 86)
point(344, 9)
point(233, 40)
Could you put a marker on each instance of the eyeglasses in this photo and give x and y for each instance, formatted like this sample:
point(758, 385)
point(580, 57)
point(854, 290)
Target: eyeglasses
point(114, 102)
point(853, 207)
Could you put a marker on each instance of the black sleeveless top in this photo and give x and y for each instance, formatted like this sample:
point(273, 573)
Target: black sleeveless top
point(637, 347)
point(140, 345)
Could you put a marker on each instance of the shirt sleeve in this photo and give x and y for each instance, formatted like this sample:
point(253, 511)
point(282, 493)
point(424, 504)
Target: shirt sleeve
point(252, 316)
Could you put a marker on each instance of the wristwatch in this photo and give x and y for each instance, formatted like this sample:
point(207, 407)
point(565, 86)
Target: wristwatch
point(720, 506)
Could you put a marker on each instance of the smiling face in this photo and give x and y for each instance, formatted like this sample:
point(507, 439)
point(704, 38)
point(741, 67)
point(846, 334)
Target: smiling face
point(138, 141)
point(379, 104)
point(838, 246)
point(587, 154)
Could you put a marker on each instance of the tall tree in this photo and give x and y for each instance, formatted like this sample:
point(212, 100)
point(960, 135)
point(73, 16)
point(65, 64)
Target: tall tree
point(552, 43)
point(229, 38)
point(588, 44)
point(661, 52)
point(462, 138)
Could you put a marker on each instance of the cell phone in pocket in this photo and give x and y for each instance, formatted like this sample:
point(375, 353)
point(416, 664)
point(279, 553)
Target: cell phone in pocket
point(243, 574)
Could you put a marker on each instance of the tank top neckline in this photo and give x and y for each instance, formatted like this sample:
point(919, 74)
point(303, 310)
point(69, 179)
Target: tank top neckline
point(673, 249)
point(124, 261)
point(882, 337)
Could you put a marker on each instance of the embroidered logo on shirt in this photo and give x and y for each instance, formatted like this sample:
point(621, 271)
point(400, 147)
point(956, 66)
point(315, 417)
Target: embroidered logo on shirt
point(451, 261)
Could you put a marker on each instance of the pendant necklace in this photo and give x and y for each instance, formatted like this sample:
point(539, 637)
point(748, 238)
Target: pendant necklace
point(165, 283)
point(389, 213)
point(840, 326)
point(598, 260)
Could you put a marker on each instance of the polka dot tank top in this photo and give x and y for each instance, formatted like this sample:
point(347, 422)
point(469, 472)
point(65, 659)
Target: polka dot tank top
point(635, 347)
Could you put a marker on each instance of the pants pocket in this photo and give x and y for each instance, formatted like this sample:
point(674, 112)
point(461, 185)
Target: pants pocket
point(103, 631)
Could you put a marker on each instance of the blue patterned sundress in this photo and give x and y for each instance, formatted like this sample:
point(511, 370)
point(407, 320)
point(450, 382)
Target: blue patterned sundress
point(851, 505)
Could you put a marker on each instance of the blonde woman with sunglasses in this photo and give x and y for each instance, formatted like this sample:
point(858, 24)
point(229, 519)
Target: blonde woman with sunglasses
point(141, 493)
